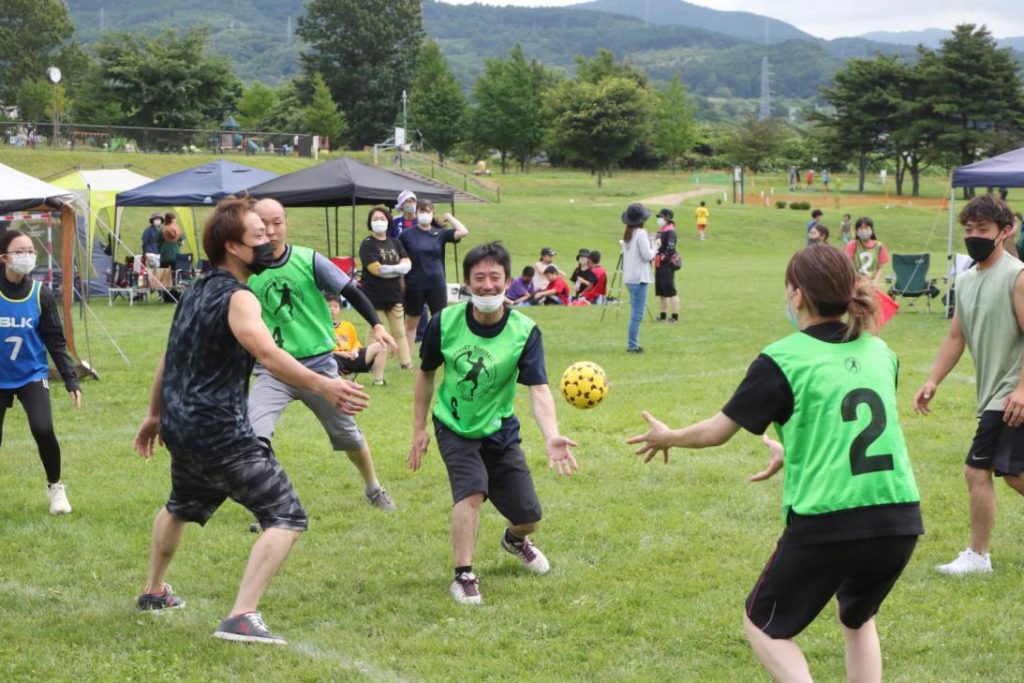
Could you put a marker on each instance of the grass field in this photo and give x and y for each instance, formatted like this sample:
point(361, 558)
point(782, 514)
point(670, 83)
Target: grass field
point(651, 564)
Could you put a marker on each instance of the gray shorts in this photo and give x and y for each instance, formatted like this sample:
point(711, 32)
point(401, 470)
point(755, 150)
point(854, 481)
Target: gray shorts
point(269, 397)
point(502, 476)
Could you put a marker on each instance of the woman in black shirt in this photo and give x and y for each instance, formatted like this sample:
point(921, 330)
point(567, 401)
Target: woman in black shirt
point(664, 267)
point(384, 263)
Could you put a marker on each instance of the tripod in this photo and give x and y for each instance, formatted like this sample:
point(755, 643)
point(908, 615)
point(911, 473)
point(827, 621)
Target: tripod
point(616, 286)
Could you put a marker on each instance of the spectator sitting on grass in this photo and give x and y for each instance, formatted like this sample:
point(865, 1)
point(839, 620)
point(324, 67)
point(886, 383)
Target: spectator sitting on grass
point(583, 278)
point(557, 292)
point(520, 292)
point(348, 353)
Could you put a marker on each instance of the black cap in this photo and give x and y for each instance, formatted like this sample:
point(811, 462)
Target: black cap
point(667, 214)
point(547, 251)
point(635, 214)
point(582, 253)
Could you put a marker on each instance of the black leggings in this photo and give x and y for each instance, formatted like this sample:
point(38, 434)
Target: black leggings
point(35, 399)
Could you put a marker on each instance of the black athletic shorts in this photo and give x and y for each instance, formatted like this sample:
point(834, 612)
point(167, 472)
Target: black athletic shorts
point(253, 479)
point(501, 475)
point(664, 281)
point(996, 446)
point(799, 580)
point(435, 299)
point(347, 367)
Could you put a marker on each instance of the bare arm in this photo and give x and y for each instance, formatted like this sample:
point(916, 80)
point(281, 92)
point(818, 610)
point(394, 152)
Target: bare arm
point(560, 458)
point(247, 326)
point(460, 229)
point(149, 430)
point(950, 350)
point(713, 431)
point(1013, 411)
point(422, 394)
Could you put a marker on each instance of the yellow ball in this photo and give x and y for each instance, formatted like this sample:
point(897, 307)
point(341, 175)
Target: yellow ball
point(584, 384)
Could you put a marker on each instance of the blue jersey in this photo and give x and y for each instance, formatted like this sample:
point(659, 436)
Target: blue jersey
point(22, 352)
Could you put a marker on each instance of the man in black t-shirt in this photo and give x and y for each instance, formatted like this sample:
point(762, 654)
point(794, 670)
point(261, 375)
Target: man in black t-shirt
point(202, 380)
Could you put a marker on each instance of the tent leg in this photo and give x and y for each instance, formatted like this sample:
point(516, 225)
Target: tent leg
point(327, 224)
point(337, 240)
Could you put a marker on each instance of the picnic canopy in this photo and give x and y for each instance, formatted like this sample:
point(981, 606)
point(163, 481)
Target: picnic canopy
point(199, 186)
point(23, 197)
point(345, 182)
point(1005, 170)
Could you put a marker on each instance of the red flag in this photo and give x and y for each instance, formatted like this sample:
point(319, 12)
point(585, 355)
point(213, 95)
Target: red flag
point(887, 308)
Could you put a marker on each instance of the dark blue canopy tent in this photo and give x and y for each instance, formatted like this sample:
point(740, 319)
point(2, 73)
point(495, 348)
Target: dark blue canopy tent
point(1005, 170)
point(200, 186)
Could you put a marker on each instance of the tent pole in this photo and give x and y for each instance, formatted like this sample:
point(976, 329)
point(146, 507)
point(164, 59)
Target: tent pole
point(327, 222)
point(354, 233)
point(337, 237)
point(952, 199)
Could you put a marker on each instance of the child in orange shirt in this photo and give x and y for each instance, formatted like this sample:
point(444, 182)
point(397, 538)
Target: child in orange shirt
point(349, 354)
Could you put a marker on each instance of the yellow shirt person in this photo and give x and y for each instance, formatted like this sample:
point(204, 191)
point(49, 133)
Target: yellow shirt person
point(702, 214)
point(345, 337)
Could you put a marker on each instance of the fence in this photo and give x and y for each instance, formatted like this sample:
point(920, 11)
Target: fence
point(70, 136)
point(452, 175)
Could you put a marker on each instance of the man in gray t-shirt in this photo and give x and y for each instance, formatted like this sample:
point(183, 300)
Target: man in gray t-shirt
point(989, 320)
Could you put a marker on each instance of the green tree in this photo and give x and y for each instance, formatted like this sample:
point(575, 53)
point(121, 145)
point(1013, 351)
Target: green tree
point(755, 144)
point(597, 125)
point(257, 106)
point(436, 103)
point(33, 100)
point(674, 129)
point(322, 116)
point(866, 96)
point(366, 51)
point(170, 81)
point(509, 116)
point(603, 66)
point(34, 34)
point(971, 96)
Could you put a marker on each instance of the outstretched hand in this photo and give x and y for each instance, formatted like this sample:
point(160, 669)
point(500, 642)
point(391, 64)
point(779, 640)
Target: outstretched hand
point(560, 458)
point(776, 451)
point(656, 440)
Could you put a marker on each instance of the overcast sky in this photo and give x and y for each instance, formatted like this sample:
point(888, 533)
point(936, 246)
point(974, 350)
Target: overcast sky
point(835, 18)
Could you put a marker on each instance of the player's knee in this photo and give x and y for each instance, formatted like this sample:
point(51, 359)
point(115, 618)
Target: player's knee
point(976, 476)
point(1015, 482)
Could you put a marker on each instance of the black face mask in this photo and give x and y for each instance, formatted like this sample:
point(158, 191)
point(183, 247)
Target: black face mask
point(262, 257)
point(979, 248)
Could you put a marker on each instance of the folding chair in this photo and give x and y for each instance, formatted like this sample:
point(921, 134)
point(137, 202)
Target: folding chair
point(912, 278)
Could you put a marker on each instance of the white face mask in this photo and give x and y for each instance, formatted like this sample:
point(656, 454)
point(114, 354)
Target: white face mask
point(584, 261)
point(409, 208)
point(424, 219)
point(864, 235)
point(488, 304)
point(22, 264)
point(661, 222)
point(379, 226)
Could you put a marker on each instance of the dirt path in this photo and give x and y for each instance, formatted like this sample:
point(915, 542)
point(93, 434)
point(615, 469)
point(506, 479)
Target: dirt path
point(681, 197)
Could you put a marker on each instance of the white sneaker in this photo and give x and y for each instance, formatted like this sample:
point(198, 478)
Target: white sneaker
point(466, 589)
point(59, 504)
point(529, 554)
point(967, 562)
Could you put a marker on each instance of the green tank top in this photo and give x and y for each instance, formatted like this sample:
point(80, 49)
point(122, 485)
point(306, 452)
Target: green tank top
point(844, 446)
point(866, 260)
point(984, 305)
point(294, 310)
point(478, 390)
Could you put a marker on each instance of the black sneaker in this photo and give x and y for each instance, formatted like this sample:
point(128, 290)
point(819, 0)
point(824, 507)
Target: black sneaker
point(247, 628)
point(635, 349)
point(156, 602)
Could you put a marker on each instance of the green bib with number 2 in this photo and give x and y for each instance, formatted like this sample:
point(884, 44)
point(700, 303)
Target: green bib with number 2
point(844, 445)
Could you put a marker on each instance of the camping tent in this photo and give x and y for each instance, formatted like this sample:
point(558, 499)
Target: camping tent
point(1005, 170)
point(199, 186)
point(20, 192)
point(98, 217)
point(345, 182)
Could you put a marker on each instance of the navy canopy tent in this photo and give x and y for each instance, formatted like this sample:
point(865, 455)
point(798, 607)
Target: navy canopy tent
point(345, 182)
point(1005, 170)
point(200, 186)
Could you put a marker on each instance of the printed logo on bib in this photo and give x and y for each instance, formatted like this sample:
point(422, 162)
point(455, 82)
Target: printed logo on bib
point(852, 365)
point(7, 321)
point(475, 369)
point(279, 296)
